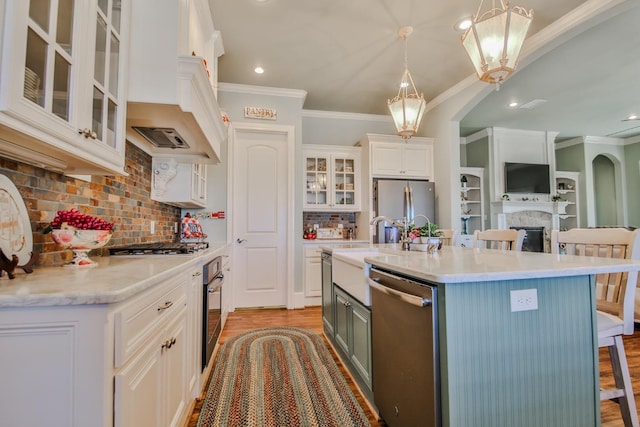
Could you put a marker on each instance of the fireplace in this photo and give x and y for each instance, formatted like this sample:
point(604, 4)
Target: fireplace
point(533, 239)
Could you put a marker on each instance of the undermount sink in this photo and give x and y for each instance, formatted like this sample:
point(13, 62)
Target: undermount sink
point(349, 271)
point(355, 256)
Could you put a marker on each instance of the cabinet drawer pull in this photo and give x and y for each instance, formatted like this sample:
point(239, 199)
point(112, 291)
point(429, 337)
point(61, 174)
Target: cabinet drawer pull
point(166, 305)
point(87, 133)
point(168, 343)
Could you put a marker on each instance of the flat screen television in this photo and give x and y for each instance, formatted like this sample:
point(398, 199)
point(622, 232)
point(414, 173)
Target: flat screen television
point(527, 178)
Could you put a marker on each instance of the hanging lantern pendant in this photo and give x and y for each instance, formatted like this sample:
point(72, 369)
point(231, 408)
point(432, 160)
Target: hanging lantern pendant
point(494, 40)
point(406, 108)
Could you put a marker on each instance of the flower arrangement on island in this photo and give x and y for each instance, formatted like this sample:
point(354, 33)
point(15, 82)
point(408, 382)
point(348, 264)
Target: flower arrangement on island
point(427, 230)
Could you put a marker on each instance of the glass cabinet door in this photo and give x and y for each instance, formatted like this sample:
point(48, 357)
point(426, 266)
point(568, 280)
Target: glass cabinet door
point(105, 74)
point(50, 55)
point(316, 177)
point(344, 181)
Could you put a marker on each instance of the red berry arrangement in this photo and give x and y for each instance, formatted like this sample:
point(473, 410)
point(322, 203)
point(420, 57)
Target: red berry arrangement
point(76, 220)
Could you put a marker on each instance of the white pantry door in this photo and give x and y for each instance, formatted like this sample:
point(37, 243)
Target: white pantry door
point(262, 182)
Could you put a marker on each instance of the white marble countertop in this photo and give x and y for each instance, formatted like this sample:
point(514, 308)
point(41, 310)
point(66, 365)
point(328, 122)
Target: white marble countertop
point(332, 242)
point(114, 279)
point(457, 265)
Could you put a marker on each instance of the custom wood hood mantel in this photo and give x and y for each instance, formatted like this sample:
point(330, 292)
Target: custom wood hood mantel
point(505, 207)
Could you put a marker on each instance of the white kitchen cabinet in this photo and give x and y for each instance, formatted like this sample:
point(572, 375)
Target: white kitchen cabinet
point(55, 357)
point(151, 381)
point(151, 389)
point(312, 274)
point(332, 178)
point(173, 80)
point(127, 363)
point(471, 201)
point(391, 157)
point(179, 184)
point(567, 185)
point(64, 84)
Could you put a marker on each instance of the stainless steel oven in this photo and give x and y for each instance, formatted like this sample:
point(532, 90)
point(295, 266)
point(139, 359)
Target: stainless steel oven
point(211, 307)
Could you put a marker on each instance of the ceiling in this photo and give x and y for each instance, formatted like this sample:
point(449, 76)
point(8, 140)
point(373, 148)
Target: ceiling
point(348, 57)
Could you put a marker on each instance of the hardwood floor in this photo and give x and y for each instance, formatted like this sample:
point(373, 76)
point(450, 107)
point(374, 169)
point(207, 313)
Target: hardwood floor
point(310, 318)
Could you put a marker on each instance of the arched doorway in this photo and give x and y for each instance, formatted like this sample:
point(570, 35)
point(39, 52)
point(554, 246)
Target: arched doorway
point(604, 185)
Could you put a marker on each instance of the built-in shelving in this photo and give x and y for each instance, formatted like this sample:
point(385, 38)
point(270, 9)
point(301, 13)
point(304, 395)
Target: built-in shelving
point(471, 200)
point(566, 189)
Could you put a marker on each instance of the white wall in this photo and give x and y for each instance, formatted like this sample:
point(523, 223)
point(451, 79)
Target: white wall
point(333, 128)
point(518, 146)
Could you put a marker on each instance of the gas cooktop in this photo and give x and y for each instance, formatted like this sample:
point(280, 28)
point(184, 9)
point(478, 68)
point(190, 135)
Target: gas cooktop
point(159, 248)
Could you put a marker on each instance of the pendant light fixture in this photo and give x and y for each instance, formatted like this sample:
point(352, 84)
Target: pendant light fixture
point(494, 39)
point(406, 108)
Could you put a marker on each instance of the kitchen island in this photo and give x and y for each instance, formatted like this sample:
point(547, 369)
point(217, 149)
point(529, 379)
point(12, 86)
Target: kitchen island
point(502, 361)
point(118, 344)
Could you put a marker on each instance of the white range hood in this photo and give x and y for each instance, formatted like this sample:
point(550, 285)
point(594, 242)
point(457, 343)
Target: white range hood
point(188, 108)
point(172, 110)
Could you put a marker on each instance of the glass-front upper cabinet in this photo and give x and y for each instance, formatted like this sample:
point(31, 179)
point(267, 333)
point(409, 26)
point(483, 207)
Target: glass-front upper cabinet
point(332, 178)
point(344, 181)
point(317, 180)
point(63, 62)
point(106, 102)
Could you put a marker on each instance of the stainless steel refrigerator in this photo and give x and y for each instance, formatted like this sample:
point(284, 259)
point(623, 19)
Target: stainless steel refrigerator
point(389, 200)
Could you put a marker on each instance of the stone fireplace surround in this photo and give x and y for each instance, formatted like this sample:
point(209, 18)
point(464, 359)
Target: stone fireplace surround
point(506, 214)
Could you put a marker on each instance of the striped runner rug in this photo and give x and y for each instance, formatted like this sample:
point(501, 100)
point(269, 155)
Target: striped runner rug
point(281, 376)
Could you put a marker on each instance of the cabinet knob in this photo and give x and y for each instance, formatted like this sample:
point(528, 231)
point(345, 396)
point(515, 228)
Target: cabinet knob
point(347, 304)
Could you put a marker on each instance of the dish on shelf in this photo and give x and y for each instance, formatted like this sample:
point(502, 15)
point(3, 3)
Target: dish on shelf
point(15, 228)
point(31, 84)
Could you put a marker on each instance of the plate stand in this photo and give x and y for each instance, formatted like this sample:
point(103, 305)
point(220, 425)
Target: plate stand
point(10, 265)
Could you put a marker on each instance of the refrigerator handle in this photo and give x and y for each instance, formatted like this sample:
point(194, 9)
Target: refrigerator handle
point(408, 203)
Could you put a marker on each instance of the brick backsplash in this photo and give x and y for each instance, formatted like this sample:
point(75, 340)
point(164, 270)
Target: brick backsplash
point(123, 200)
point(329, 220)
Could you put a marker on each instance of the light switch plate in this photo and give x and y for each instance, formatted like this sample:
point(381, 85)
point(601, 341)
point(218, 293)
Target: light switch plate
point(524, 300)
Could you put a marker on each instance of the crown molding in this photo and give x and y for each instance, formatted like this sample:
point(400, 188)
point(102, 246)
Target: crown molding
point(262, 90)
point(346, 116)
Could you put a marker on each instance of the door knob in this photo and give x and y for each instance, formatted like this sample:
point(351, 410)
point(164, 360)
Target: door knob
point(239, 240)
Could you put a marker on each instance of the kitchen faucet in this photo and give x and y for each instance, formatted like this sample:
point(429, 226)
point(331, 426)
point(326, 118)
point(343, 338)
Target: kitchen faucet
point(403, 225)
point(428, 223)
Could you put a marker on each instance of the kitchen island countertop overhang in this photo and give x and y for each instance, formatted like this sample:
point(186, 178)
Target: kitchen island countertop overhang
point(463, 265)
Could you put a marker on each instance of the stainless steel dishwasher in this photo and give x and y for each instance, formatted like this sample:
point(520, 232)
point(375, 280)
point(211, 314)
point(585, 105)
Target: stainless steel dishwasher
point(406, 380)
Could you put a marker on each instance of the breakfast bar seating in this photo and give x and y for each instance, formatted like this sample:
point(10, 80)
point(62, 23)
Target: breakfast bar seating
point(615, 296)
point(499, 239)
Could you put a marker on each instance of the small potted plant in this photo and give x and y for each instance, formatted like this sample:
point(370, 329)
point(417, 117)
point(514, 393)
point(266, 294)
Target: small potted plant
point(463, 181)
point(422, 234)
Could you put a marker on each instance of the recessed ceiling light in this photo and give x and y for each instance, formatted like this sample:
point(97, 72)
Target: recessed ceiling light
point(259, 70)
point(463, 24)
point(631, 117)
point(513, 104)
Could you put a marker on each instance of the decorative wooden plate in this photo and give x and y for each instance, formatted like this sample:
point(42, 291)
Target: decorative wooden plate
point(15, 228)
